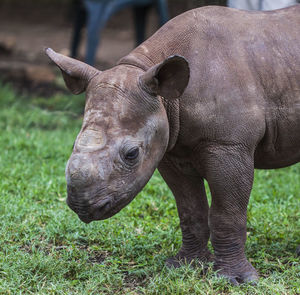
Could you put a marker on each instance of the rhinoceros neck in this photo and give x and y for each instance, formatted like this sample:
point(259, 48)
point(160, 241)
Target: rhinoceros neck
point(172, 110)
point(171, 39)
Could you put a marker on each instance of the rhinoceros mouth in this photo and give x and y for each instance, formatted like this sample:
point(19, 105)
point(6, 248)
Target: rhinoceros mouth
point(110, 207)
point(85, 218)
point(102, 207)
point(97, 212)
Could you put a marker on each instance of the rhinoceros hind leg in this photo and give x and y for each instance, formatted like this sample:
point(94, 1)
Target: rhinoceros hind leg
point(230, 172)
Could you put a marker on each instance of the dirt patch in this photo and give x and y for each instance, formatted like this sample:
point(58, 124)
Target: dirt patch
point(24, 35)
point(28, 27)
point(98, 257)
point(95, 256)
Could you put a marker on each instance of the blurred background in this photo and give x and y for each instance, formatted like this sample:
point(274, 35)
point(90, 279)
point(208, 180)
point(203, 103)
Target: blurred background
point(98, 32)
point(26, 27)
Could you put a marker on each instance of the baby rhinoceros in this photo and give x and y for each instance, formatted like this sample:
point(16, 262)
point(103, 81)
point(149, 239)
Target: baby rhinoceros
point(211, 95)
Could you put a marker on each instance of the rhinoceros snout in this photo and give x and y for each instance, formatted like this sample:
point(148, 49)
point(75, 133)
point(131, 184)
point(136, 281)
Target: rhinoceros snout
point(86, 210)
point(83, 213)
point(87, 193)
point(80, 171)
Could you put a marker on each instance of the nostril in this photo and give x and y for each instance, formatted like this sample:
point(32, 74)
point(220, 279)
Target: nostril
point(106, 206)
point(101, 209)
point(103, 204)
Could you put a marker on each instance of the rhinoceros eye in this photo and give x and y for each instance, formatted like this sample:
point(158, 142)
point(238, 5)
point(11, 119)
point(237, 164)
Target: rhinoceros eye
point(132, 154)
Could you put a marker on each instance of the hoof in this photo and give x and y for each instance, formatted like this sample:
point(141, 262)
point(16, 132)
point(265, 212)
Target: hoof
point(246, 278)
point(239, 275)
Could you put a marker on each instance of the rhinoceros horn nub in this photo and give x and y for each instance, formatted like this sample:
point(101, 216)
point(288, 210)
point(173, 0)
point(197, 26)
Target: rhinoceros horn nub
point(76, 74)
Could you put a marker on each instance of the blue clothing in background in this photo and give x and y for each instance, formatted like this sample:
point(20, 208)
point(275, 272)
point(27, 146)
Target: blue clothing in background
point(98, 13)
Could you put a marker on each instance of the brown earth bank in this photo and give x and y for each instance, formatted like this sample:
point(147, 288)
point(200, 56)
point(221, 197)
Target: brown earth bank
point(27, 27)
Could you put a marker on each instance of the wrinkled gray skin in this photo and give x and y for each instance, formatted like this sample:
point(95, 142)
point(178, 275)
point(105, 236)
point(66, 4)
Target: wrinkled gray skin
point(212, 95)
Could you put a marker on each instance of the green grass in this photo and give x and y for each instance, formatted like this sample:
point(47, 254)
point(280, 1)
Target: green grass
point(45, 249)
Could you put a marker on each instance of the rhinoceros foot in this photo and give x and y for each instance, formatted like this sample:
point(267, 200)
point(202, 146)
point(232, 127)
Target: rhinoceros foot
point(242, 272)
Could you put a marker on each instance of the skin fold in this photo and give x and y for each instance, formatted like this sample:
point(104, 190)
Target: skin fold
point(212, 95)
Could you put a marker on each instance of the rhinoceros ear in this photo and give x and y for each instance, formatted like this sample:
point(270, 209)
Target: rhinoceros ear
point(76, 74)
point(167, 79)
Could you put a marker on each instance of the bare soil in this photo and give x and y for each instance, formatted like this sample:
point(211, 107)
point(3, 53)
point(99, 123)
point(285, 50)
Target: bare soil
point(28, 27)
point(25, 32)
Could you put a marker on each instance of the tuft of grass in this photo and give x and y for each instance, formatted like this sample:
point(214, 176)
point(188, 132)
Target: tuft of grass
point(45, 249)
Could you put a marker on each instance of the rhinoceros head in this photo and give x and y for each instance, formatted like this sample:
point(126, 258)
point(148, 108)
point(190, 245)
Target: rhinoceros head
point(125, 131)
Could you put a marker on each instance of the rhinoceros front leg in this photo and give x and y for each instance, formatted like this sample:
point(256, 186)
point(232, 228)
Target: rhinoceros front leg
point(229, 172)
point(192, 208)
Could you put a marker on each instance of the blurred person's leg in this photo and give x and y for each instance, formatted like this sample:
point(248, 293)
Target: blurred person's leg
point(100, 11)
point(277, 4)
point(163, 12)
point(96, 19)
point(246, 4)
point(140, 16)
point(141, 9)
point(79, 22)
point(116, 5)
